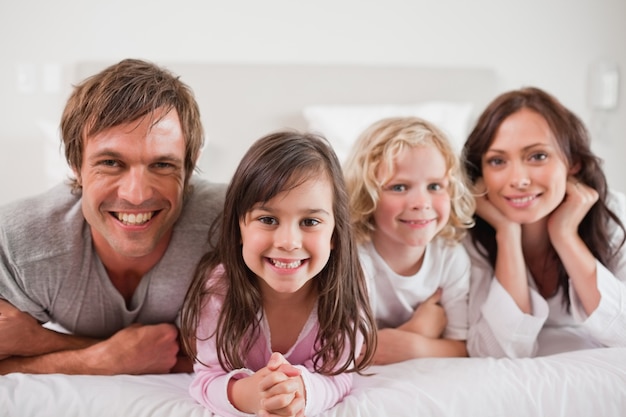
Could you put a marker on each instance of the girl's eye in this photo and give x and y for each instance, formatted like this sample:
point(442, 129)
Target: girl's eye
point(310, 222)
point(268, 220)
point(435, 187)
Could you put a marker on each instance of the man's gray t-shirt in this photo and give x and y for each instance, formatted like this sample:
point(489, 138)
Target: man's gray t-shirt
point(49, 269)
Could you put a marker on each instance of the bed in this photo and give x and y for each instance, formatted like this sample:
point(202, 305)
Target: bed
point(242, 102)
point(581, 383)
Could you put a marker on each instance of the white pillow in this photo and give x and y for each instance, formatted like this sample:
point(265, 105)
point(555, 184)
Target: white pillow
point(342, 125)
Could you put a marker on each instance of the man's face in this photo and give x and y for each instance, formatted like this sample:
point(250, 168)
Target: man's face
point(133, 178)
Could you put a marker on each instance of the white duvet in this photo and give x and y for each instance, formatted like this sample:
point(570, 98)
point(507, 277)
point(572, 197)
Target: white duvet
point(580, 383)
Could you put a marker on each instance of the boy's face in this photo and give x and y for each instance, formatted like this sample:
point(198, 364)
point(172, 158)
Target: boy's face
point(414, 203)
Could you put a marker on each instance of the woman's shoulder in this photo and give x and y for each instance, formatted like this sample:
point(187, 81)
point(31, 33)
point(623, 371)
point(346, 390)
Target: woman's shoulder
point(616, 202)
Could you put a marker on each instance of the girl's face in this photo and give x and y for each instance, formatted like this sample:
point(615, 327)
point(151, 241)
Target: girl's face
point(287, 240)
point(523, 170)
point(414, 204)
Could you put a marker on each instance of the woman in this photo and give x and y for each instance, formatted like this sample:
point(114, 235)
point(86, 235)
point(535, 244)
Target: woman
point(548, 265)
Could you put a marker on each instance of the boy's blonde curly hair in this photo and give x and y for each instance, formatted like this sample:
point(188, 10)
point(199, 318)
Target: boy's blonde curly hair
point(378, 146)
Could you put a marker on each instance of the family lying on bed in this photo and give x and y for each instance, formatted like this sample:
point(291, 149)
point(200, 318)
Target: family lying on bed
point(300, 272)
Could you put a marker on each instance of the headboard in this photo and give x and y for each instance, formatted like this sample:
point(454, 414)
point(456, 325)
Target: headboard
point(240, 103)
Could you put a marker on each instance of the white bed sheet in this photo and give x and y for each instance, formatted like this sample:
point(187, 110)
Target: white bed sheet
point(579, 383)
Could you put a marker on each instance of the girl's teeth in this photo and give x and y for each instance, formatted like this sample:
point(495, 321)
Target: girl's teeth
point(284, 265)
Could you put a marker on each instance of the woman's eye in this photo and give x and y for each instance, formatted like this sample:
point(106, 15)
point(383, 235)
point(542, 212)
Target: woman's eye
point(495, 161)
point(540, 156)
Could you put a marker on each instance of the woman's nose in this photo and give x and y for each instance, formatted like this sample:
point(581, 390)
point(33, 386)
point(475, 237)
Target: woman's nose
point(519, 177)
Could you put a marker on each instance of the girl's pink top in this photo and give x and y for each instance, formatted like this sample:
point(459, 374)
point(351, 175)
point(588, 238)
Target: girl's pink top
point(209, 386)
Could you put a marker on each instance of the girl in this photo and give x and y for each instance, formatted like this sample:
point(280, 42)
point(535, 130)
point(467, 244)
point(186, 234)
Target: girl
point(410, 208)
point(277, 314)
point(549, 270)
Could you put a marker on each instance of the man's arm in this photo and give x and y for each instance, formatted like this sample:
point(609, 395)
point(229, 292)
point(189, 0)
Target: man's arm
point(22, 335)
point(27, 347)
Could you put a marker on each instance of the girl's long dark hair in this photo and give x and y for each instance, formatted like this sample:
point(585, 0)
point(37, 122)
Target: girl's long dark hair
point(273, 164)
point(574, 143)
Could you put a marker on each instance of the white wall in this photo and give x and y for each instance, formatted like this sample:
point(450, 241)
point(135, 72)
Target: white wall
point(547, 43)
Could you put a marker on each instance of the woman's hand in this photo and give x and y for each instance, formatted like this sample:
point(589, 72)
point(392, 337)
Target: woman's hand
point(579, 262)
point(488, 212)
point(510, 266)
point(565, 219)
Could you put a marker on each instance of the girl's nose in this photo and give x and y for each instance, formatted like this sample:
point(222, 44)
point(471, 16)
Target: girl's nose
point(288, 237)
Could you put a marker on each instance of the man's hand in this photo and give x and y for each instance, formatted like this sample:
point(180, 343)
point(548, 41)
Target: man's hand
point(27, 346)
point(20, 333)
point(137, 349)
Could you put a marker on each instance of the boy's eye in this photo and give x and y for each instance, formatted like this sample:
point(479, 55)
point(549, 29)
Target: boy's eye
point(398, 187)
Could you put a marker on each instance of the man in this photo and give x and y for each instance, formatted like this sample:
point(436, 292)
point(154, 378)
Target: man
point(108, 258)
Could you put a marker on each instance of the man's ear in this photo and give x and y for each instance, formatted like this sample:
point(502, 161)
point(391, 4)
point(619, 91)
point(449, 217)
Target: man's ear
point(77, 176)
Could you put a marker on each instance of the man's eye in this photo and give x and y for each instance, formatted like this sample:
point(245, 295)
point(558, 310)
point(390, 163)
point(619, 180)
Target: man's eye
point(109, 163)
point(163, 165)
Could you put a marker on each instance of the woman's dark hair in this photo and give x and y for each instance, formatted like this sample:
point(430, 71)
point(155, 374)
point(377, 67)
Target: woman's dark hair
point(573, 140)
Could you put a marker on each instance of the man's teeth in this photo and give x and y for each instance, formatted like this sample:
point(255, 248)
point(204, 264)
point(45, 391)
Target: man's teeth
point(134, 218)
point(289, 265)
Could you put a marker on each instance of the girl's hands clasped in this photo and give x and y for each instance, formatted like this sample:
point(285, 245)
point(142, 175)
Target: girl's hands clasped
point(282, 389)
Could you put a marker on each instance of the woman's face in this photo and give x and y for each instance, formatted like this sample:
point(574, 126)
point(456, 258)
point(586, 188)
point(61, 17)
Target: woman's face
point(524, 170)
